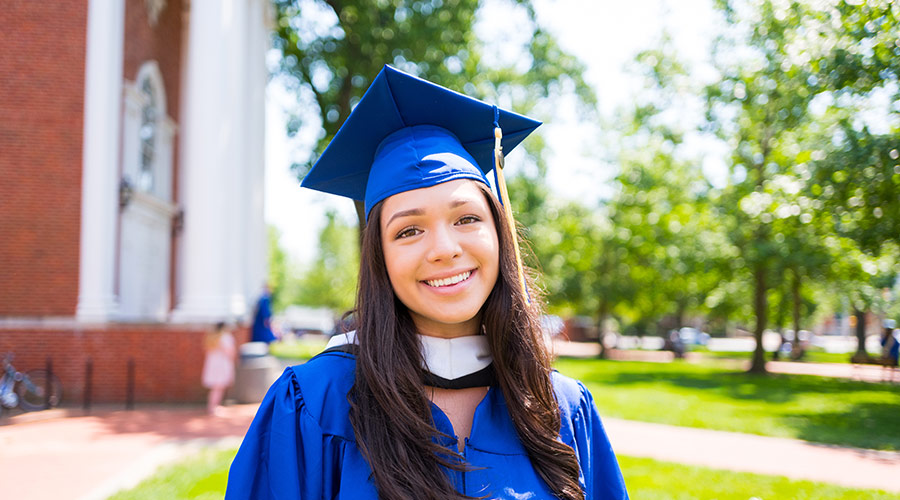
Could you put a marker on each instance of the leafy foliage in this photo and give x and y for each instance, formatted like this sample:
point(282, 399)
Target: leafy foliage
point(331, 279)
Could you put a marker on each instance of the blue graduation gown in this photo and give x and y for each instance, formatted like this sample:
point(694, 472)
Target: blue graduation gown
point(301, 443)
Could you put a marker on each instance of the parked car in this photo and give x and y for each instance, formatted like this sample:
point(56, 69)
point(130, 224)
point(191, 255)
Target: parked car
point(301, 320)
point(693, 336)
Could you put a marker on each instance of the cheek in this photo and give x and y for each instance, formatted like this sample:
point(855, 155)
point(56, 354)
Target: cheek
point(492, 257)
point(397, 272)
point(493, 242)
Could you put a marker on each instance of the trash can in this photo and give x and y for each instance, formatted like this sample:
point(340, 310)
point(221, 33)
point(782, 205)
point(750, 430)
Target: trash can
point(256, 371)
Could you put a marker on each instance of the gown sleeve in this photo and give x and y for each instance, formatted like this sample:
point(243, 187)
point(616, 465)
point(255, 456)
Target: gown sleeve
point(284, 453)
point(602, 476)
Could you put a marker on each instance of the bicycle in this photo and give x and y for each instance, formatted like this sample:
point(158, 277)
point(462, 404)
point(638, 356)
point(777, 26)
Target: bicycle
point(28, 390)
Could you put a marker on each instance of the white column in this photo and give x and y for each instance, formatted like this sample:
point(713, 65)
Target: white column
point(99, 184)
point(260, 24)
point(237, 83)
point(208, 163)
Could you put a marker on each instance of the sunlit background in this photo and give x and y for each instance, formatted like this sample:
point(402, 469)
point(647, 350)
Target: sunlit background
point(712, 207)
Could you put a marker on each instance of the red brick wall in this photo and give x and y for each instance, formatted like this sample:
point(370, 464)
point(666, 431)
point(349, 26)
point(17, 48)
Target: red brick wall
point(168, 360)
point(41, 121)
point(160, 43)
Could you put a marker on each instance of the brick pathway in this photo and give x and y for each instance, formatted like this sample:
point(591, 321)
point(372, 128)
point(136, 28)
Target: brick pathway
point(67, 454)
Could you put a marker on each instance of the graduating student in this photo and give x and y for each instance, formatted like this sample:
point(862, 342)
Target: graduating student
point(445, 388)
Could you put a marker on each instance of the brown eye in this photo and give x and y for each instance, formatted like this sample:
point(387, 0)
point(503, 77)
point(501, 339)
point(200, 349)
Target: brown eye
point(407, 232)
point(467, 219)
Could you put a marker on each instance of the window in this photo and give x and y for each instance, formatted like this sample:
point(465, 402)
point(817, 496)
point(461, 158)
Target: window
point(148, 133)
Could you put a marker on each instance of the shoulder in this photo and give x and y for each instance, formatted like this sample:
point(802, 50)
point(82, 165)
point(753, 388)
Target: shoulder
point(582, 429)
point(578, 414)
point(571, 395)
point(321, 386)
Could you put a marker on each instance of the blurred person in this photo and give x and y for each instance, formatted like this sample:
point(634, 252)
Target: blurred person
point(262, 318)
point(890, 350)
point(444, 390)
point(218, 366)
point(675, 344)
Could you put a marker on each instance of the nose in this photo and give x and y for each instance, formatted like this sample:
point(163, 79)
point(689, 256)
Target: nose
point(444, 245)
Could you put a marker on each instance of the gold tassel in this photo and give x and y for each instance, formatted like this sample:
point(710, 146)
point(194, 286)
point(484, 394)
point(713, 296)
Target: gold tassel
point(504, 197)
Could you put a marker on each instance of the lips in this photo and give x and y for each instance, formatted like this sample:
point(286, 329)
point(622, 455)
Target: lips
point(452, 280)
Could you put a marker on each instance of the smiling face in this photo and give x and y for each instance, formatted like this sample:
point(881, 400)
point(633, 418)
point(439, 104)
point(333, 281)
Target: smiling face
point(442, 255)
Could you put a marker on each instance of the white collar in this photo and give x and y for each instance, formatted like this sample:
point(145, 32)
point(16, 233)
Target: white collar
point(446, 358)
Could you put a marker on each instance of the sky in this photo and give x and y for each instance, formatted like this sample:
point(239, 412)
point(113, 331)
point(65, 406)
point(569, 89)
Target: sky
point(604, 34)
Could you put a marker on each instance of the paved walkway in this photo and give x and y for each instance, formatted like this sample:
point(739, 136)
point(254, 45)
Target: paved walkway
point(66, 454)
point(852, 467)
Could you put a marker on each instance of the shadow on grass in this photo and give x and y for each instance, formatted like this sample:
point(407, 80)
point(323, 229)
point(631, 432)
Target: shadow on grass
point(865, 425)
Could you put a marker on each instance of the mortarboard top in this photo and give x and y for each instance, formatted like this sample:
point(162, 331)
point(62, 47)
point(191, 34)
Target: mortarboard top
point(408, 133)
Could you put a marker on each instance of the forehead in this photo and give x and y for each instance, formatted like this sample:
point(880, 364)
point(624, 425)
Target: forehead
point(444, 196)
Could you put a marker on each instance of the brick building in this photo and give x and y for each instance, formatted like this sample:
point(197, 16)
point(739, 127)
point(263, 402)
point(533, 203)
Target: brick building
point(131, 177)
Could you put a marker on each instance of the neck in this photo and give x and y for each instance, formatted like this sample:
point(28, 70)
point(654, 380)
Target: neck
point(431, 328)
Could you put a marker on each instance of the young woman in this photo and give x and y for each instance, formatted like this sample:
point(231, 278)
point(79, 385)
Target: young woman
point(218, 366)
point(445, 388)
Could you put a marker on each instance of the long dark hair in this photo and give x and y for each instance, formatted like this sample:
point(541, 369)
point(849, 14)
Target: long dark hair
point(390, 411)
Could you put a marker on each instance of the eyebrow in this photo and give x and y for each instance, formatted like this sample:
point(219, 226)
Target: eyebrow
point(405, 213)
point(419, 211)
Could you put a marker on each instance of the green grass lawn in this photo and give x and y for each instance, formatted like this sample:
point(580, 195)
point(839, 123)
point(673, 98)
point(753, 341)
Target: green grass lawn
point(648, 479)
point(710, 396)
point(200, 477)
point(298, 349)
point(204, 476)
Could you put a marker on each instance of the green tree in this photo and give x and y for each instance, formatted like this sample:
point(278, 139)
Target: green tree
point(760, 106)
point(858, 172)
point(859, 177)
point(667, 247)
point(564, 241)
point(331, 279)
point(799, 229)
point(333, 49)
point(853, 54)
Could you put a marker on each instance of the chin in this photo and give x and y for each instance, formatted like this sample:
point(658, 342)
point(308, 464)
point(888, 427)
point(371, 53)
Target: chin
point(447, 324)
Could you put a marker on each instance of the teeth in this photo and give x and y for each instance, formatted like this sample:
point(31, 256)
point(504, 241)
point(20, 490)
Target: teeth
point(451, 280)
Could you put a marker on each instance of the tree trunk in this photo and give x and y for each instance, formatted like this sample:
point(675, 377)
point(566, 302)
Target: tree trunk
point(760, 303)
point(861, 355)
point(601, 327)
point(797, 350)
point(780, 320)
point(680, 312)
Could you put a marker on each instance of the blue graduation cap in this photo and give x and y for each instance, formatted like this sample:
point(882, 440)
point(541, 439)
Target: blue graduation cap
point(408, 133)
